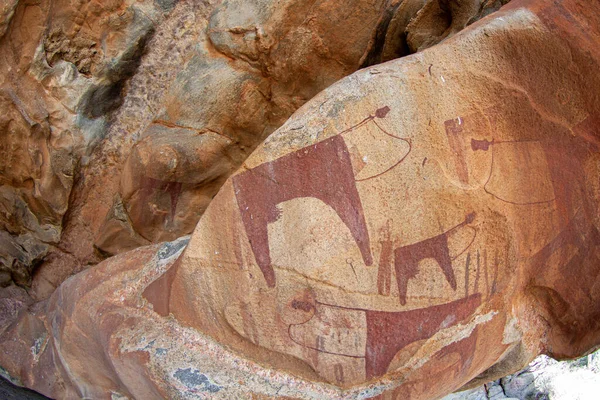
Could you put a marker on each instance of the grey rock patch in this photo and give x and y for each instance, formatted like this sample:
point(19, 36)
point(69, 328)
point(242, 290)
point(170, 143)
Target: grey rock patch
point(166, 5)
point(544, 379)
point(170, 249)
point(192, 378)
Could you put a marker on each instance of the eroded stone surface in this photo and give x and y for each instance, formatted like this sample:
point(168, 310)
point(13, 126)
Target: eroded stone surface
point(543, 379)
point(434, 216)
point(63, 72)
point(88, 86)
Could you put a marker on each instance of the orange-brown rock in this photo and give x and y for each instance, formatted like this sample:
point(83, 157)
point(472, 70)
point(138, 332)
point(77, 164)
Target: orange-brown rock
point(434, 216)
point(63, 72)
point(257, 64)
point(104, 77)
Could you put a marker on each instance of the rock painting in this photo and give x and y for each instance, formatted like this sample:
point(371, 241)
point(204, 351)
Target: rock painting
point(322, 171)
point(453, 130)
point(407, 258)
point(535, 188)
point(389, 332)
point(384, 272)
point(337, 330)
point(547, 173)
point(151, 186)
point(483, 230)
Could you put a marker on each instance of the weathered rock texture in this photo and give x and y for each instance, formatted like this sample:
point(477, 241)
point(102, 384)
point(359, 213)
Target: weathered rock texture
point(124, 118)
point(64, 69)
point(543, 379)
point(9, 391)
point(434, 216)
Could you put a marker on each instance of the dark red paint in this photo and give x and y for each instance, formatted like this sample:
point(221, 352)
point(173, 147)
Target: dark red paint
point(151, 186)
point(384, 272)
point(407, 258)
point(453, 130)
point(322, 171)
point(390, 332)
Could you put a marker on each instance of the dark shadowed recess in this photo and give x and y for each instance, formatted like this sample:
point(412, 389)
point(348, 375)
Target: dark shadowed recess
point(8, 391)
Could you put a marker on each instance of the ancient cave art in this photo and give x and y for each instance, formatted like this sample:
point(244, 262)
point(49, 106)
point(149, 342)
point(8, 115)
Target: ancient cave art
point(151, 186)
point(528, 194)
point(548, 173)
point(387, 333)
point(421, 225)
point(407, 258)
point(324, 171)
point(360, 342)
point(356, 336)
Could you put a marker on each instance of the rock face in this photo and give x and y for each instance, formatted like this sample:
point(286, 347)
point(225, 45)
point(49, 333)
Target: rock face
point(96, 92)
point(433, 216)
point(543, 379)
point(63, 72)
point(12, 392)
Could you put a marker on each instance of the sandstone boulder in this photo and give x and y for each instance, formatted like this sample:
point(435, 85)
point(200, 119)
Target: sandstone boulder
point(434, 216)
point(86, 82)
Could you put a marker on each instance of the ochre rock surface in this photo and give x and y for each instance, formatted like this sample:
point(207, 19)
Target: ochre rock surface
point(63, 69)
point(96, 91)
point(421, 225)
